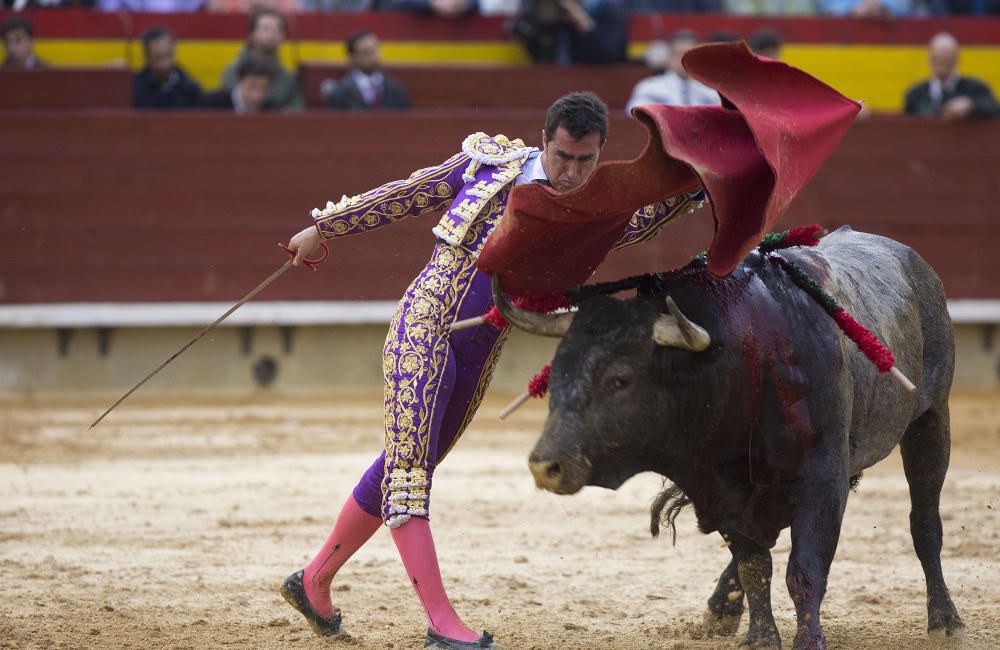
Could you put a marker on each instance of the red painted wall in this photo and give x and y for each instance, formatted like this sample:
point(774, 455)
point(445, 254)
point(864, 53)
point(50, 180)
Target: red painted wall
point(118, 206)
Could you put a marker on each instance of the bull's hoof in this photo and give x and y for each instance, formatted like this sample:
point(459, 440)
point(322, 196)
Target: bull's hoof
point(944, 622)
point(946, 636)
point(762, 640)
point(720, 624)
point(806, 640)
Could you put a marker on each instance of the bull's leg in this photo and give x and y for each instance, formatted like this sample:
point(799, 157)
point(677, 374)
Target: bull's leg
point(925, 449)
point(725, 605)
point(816, 520)
point(754, 566)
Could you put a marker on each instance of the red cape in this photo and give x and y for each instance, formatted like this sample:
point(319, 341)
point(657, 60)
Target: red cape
point(752, 162)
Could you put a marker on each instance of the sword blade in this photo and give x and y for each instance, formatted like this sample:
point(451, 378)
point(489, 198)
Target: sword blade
point(260, 287)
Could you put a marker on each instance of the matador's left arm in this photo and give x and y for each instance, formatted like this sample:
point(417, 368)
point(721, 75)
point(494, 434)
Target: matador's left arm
point(647, 222)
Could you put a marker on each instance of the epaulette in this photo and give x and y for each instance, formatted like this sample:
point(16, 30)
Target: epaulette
point(494, 150)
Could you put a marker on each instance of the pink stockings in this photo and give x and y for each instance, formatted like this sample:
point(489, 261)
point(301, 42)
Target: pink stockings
point(416, 549)
point(415, 544)
point(354, 527)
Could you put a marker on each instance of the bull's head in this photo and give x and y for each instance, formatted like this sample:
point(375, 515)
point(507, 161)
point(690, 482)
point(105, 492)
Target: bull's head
point(610, 388)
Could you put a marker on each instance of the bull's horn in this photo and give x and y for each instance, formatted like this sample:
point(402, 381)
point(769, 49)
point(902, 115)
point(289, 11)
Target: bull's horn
point(676, 331)
point(541, 324)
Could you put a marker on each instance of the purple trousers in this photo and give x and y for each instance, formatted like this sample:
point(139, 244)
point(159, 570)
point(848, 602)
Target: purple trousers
point(434, 382)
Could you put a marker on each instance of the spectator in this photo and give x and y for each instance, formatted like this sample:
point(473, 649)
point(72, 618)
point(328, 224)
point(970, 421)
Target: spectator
point(675, 6)
point(152, 6)
point(342, 6)
point(254, 76)
point(498, 7)
point(674, 86)
point(771, 7)
point(265, 34)
point(765, 42)
point(657, 57)
point(162, 83)
point(19, 44)
point(439, 8)
point(573, 31)
point(366, 86)
point(865, 8)
point(252, 6)
point(967, 7)
point(722, 36)
point(947, 94)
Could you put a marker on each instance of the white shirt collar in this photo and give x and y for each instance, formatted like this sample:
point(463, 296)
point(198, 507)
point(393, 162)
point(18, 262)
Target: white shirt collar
point(532, 170)
point(368, 84)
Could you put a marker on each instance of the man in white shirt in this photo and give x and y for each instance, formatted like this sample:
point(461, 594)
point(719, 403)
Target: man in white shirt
point(674, 86)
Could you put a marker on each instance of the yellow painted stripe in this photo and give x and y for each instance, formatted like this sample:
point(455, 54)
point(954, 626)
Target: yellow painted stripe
point(880, 75)
point(429, 52)
point(877, 74)
point(73, 52)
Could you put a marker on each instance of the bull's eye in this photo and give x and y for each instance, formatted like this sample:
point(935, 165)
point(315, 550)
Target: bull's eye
point(619, 383)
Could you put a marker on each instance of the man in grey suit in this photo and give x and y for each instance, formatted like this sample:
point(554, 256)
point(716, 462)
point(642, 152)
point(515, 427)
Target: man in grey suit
point(366, 85)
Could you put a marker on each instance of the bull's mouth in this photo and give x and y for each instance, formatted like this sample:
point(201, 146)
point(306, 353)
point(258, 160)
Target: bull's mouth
point(569, 477)
point(611, 481)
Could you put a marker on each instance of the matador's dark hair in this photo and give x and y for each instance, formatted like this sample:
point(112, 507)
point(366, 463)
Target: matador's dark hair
point(580, 113)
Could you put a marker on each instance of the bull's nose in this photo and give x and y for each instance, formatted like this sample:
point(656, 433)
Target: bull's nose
point(547, 474)
point(555, 477)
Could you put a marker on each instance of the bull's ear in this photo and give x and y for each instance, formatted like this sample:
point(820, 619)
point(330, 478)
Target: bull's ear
point(676, 331)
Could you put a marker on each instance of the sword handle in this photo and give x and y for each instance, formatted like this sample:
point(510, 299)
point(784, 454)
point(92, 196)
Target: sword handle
point(308, 263)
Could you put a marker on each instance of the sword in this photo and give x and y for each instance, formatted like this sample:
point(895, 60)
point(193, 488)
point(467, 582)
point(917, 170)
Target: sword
point(260, 287)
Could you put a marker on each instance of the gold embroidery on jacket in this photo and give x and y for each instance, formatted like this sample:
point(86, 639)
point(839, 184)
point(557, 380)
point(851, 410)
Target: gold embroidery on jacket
point(423, 191)
point(646, 223)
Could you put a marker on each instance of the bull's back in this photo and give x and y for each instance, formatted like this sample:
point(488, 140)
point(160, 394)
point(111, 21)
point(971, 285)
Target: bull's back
point(892, 291)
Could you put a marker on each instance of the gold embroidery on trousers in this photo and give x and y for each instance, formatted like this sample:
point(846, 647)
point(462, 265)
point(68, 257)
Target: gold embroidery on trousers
point(414, 357)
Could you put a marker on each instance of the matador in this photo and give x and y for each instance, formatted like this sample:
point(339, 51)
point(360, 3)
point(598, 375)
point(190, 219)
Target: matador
point(435, 379)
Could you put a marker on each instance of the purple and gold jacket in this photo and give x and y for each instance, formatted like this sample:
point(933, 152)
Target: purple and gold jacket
point(474, 186)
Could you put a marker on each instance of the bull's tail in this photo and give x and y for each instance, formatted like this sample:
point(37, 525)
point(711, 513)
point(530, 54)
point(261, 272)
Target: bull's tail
point(666, 506)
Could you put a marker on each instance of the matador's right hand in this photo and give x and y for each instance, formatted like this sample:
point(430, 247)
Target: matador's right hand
point(304, 244)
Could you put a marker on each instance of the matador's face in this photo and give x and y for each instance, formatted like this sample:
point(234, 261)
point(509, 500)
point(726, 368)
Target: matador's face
point(569, 162)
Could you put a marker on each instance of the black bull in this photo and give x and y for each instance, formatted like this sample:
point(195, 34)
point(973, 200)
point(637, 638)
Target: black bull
point(760, 411)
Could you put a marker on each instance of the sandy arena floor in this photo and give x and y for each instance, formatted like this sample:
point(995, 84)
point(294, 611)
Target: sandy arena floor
point(172, 525)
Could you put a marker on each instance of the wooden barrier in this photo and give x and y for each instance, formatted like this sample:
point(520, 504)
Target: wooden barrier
point(472, 87)
point(66, 88)
point(491, 87)
point(189, 207)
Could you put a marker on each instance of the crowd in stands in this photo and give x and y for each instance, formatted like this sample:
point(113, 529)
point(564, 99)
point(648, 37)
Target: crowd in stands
point(256, 80)
point(568, 12)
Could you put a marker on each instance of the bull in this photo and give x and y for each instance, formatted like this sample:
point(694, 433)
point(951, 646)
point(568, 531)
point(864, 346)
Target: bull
point(744, 393)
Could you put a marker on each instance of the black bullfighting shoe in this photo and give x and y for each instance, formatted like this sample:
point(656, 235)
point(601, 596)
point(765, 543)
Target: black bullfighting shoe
point(435, 640)
point(293, 591)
